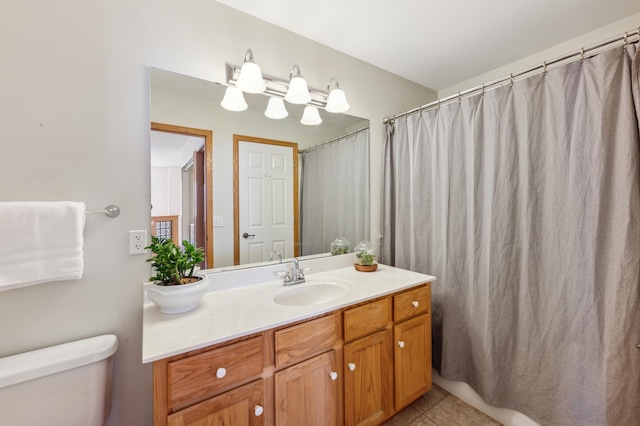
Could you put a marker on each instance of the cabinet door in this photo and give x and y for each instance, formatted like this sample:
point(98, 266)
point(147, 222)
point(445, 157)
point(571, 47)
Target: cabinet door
point(307, 393)
point(412, 341)
point(368, 379)
point(239, 407)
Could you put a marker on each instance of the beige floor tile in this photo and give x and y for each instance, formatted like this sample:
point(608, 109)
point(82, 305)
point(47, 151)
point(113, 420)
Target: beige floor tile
point(451, 411)
point(429, 399)
point(421, 420)
point(403, 418)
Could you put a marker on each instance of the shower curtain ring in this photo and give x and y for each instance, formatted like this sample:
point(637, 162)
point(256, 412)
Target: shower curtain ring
point(544, 66)
point(581, 56)
point(511, 80)
point(459, 98)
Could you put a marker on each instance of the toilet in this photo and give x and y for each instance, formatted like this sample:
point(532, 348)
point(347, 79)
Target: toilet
point(67, 384)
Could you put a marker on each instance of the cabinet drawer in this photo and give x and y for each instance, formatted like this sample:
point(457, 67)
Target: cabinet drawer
point(298, 342)
point(240, 406)
point(366, 319)
point(411, 303)
point(202, 375)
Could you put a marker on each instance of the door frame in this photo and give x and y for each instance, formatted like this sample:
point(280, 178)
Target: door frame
point(236, 197)
point(208, 172)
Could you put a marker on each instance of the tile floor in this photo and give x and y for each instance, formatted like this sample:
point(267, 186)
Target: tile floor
point(439, 408)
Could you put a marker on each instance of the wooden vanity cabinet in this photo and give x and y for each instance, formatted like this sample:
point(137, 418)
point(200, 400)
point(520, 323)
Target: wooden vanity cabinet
point(308, 380)
point(358, 365)
point(243, 406)
point(214, 386)
point(368, 371)
point(309, 393)
point(412, 345)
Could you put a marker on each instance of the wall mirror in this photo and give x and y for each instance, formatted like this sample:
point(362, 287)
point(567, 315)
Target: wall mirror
point(232, 182)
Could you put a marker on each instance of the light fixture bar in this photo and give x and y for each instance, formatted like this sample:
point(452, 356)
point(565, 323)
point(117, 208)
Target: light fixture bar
point(277, 86)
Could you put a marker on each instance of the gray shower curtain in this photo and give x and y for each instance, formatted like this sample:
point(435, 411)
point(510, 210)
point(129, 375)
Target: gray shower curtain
point(525, 203)
point(335, 193)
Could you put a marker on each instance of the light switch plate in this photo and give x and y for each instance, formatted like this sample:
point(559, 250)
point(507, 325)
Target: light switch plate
point(218, 221)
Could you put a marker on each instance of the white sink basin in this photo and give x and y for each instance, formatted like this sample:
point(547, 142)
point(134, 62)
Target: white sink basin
point(313, 292)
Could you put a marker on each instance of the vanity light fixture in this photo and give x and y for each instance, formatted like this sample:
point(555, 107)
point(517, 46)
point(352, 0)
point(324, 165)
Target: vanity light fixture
point(294, 90)
point(250, 79)
point(233, 99)
point(276, 109)
point(298, 92)
point(337, 102)
point(311, 116)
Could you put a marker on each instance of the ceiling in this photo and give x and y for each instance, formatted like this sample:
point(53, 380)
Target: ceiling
point(439, 44)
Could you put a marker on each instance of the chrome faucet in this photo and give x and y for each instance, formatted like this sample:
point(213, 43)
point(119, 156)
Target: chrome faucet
point(295, 275)
point(277, 254)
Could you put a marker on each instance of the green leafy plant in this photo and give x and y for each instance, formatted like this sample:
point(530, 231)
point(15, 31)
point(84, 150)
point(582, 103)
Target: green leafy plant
point(365, 257)
point(174, 265)
point(340, 250)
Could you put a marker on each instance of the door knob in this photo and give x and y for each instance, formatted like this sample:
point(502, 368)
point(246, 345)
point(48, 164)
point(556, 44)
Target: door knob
point(258, 410)
point(401, 344)
point(221, 372)
point(247, 235)
point(351, 366)
point(415, 303)
point(333, 375)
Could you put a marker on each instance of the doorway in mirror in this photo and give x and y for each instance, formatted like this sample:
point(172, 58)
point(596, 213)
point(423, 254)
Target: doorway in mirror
point(265, 199)
point(181, 182)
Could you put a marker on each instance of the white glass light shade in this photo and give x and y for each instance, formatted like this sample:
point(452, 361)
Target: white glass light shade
point(337, 102)
point(275, 109)
point(250, 79)
point(311, 116)
point(233, 100)
point(298, 92)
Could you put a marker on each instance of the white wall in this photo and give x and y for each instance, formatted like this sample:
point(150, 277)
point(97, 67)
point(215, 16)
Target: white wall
point(74, 125)
point(166, 191)
point(629, 24)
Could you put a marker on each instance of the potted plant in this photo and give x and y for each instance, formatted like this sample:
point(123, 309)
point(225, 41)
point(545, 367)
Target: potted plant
point(366, 261)
point(176, 288)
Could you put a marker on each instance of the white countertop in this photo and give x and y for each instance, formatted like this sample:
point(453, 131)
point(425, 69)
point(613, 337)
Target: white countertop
point(244, 310)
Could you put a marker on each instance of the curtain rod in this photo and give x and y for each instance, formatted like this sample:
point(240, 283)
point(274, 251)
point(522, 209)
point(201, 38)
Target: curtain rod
point(313, 148)
point(632, 36)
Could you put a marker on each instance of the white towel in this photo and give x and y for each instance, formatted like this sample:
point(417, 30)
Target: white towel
point(40, 242)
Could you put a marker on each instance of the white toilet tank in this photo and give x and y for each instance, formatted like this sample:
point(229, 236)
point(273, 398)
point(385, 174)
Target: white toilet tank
point(68, 384)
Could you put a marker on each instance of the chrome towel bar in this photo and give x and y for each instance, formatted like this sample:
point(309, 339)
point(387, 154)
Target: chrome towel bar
point(109, 211)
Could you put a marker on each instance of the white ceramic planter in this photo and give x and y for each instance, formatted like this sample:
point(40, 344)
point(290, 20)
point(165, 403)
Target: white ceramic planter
point(177, 299)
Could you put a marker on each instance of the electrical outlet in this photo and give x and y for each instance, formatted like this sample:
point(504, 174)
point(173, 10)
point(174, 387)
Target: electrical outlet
point(137, 242)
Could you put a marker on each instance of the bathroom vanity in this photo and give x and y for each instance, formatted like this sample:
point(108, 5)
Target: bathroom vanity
point(243, 359)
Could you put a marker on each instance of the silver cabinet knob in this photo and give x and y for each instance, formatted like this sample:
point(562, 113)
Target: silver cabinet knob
point(401, 343)
point(221, 372)
point(415, 303)
point(258, 410)
point(351, 366)
point(333, 375)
